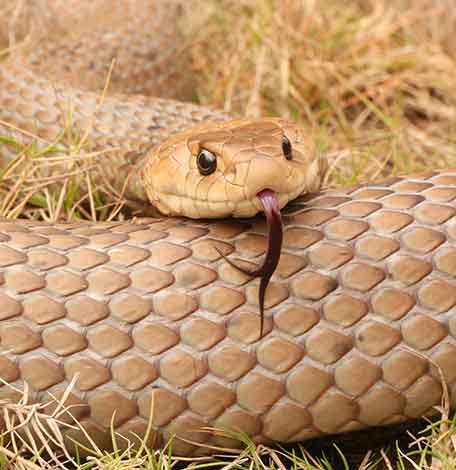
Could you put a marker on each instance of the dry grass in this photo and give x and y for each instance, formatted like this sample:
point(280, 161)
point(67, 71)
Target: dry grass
point(33, 440)
point(372, 80)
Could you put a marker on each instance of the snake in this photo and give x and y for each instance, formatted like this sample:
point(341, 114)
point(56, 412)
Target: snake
point(161, 326)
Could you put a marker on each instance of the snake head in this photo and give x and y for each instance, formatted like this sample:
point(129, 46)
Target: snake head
point(217, 170)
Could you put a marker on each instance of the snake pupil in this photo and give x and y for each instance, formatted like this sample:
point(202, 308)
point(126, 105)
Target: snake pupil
point(286, 148)
point(207, 162)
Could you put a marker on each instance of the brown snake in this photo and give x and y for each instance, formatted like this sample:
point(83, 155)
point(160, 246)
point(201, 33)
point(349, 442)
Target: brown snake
point(359, 313)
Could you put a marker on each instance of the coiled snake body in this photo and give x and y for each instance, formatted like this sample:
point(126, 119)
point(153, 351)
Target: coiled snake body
point(149, 317)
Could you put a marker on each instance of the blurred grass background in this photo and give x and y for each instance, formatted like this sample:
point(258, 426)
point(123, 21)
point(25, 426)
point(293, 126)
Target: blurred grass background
point(373, 80)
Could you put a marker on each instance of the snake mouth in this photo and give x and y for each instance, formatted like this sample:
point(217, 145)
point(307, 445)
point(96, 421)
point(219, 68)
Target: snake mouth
point(269, 201)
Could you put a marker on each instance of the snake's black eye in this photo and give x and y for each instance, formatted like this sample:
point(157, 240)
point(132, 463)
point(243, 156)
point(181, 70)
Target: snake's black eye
point(286, 148)
point(207, 162)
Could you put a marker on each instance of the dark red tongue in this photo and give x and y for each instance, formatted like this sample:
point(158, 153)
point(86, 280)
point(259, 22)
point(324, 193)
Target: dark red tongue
point(270, 204)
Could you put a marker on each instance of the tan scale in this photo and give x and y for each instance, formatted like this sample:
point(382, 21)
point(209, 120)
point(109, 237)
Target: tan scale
point(363, 352)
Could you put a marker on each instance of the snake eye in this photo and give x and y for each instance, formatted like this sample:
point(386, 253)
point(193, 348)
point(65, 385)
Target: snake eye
point(286, 148)
point(207, 162)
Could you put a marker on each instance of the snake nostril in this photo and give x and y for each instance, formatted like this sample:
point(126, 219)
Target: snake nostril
point(230, 173)
point(286, 148)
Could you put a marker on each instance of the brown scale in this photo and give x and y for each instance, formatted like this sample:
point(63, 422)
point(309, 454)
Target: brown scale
point(360, 304)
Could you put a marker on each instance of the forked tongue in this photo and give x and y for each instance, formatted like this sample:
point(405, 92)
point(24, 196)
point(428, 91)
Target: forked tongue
point(270, 205)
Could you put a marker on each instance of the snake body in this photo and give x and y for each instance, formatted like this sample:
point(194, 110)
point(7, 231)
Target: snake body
point(152, 323)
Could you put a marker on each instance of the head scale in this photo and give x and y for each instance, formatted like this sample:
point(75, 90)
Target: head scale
point(216, 170)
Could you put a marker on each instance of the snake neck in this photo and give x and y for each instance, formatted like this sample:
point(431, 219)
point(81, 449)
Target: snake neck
point(122, 128)
point(51, 87)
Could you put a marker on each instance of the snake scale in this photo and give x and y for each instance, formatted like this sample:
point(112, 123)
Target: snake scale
point(149, 317)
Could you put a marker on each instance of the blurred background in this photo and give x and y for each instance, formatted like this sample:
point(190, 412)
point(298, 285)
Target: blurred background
point(373, 80)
